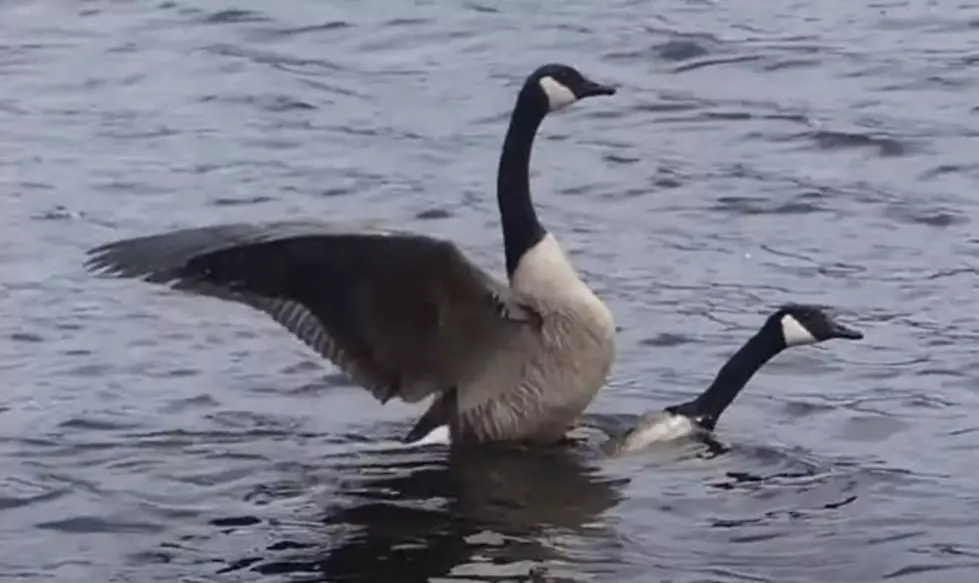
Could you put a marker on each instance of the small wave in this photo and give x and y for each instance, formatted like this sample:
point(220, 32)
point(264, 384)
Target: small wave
point(681, 50)
point(759, 206)
point(945, 169)
point(234, 15)
point(918, 570)
point(235, 521)
point(667, 339)
point(835, 140)
point(268, 57)
point(692, 66)
point(929, 217)
point(36, 493)
point(433, 214)
point(87, 423)
point(224, 201)
point(274, 103)
point(331, 25)
point(98, 524)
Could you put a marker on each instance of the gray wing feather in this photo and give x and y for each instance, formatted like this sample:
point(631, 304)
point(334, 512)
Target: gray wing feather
point(403, 314)
point(157, 258)
point(306, 326)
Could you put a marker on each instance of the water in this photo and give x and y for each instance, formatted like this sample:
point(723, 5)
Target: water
point(756, 153)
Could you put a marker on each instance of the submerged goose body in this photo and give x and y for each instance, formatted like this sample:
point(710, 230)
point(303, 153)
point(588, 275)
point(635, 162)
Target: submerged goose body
point(408, 316)
point(791, 325)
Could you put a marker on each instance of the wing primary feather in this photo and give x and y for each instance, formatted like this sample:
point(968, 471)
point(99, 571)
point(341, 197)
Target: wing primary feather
point(404, 315)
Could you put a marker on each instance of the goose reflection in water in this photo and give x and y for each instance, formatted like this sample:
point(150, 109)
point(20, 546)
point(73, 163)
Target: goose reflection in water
point(486, 515)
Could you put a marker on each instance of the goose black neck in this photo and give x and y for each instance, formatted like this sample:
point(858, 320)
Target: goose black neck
point(732, 377)
point(521, 227)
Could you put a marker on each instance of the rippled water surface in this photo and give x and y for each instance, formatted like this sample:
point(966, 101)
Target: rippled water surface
point(756, 153)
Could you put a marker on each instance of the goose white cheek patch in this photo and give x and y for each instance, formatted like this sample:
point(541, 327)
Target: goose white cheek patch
point(558, 95)
point(794, 333)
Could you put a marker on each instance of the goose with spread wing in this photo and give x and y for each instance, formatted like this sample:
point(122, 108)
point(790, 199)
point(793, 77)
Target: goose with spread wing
point(408, 316)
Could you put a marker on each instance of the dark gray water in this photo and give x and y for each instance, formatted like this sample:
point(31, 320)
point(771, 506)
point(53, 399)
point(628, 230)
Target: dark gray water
point(757, 152)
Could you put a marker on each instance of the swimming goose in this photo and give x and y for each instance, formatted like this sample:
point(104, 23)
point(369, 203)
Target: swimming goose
point(791, 325)
point(408, 316)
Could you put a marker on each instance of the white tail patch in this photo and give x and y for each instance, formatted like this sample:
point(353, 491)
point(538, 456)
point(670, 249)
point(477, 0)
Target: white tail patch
point(558, 95)
point(794, 333)
point(438, 435)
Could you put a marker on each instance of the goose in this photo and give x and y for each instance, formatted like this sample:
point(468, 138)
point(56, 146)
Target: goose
point(407, 315)
point(790, 325)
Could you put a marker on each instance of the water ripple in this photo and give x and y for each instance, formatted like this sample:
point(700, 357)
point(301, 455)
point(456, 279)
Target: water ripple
point(755, 154)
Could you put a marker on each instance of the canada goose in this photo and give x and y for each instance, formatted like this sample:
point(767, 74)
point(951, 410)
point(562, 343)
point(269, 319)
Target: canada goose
point(408, 315)
point(791, 325)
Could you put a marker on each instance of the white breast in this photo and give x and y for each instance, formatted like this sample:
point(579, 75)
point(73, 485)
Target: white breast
point(544, 272)
point(544, 267)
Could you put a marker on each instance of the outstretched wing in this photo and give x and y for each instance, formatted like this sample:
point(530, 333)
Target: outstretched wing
point(403, 314)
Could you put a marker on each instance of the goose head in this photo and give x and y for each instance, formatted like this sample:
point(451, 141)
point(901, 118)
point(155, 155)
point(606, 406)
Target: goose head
point(557, 86)
point(801, 324)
